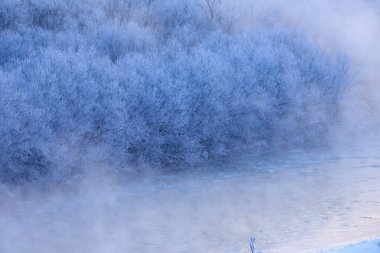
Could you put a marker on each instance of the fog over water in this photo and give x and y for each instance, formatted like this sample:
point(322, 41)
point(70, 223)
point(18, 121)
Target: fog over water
point(292, 198)
point(292, 202)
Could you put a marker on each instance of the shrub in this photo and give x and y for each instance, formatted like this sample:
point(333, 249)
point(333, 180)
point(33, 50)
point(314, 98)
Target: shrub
point(159, 93)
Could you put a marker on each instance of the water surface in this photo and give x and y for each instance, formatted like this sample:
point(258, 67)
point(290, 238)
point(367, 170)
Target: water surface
point(291, 202)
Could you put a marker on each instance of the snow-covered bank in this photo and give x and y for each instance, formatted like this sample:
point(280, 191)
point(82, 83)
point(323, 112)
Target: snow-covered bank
point(367, 246)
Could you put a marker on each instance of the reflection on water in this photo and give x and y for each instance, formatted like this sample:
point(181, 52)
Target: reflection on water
point(293, 202)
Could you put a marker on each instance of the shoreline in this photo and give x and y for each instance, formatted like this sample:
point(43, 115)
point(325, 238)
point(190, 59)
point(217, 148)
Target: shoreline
point(368, 245)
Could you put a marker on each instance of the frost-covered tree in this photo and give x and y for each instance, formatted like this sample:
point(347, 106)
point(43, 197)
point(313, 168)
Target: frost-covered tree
point(162, 83)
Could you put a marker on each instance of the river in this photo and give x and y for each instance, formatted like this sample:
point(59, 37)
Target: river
point(292, 201)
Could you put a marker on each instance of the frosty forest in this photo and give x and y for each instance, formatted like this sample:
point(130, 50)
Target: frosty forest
point(151, 83)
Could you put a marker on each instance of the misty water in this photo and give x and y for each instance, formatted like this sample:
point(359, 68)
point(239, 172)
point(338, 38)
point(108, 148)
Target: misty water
point(291, 202)
point(89, 86)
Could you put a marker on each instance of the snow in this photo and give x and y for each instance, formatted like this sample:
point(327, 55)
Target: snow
point(372, 246)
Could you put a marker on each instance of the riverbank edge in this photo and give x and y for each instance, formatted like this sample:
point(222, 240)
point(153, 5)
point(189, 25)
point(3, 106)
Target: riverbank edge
point(367, 245)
